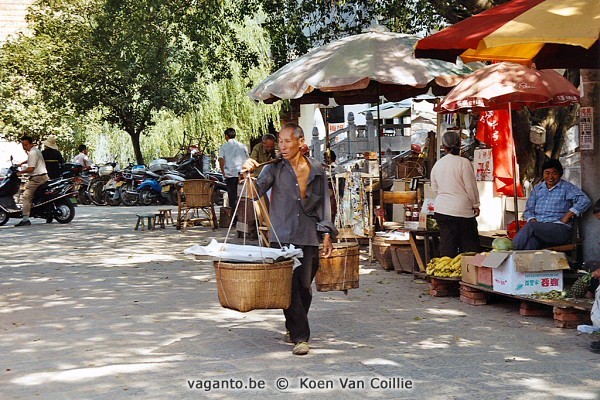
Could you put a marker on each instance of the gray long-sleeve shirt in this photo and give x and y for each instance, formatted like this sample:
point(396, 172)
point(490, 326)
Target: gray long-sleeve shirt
point(295, 220)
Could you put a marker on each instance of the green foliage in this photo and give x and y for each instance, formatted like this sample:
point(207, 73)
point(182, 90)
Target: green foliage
point(130, 58)
point(295, 26)
point(131, 64)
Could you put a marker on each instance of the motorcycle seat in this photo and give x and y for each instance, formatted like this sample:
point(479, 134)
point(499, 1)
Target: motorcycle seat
point(41, 189)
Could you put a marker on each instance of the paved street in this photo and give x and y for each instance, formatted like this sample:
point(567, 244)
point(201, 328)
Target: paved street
point(96, 310)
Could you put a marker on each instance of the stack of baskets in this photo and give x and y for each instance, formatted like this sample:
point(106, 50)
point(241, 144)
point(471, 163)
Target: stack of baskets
point(244, 287)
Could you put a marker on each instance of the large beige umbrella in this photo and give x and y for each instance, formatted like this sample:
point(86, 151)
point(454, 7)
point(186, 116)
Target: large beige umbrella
point(358, 69)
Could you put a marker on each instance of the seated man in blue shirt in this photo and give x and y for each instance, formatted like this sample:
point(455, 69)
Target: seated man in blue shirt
point(550, 210)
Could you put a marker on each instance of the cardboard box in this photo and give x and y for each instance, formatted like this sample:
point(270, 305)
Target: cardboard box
point(485, 277)
point(469, 271)
point(526, 271)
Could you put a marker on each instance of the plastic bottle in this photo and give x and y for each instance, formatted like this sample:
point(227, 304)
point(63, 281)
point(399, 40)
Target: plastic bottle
point(415, 212)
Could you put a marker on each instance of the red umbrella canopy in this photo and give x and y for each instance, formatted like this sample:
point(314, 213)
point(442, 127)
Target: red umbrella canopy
point(550, 33)
point(496, 86)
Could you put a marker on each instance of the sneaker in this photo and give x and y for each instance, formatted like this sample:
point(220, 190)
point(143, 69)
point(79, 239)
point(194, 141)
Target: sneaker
point(301, 349)
point(595, 347)
point(287, 337)
point(23, 223)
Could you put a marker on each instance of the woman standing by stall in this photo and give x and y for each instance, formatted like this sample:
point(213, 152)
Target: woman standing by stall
point(457, 199)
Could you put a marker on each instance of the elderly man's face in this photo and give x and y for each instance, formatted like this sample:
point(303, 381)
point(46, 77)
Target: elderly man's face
point(269, 145)
point(551, 177)
point(289, 145)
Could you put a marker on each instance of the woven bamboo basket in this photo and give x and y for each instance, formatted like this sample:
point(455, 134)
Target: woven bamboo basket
point(403, 258)
point(383, 253)
point(244, 287)
point(340, 270)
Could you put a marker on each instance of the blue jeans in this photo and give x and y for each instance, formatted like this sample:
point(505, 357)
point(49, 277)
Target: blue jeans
point(537, 235)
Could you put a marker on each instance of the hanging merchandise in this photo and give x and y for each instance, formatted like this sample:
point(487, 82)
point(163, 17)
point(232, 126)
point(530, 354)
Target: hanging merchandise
point(355, 206)
point(493, 129)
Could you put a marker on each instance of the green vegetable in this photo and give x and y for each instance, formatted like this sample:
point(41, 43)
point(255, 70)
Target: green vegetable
point(502, 244)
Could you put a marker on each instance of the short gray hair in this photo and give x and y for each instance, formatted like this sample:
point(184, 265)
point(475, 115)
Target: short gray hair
point(268, 136)
point(296, 129)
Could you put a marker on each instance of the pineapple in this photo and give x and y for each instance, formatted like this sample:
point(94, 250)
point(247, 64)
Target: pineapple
point(580, 287)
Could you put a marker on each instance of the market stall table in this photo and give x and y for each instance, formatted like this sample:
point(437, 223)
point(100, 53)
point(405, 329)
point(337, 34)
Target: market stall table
point(425, 246)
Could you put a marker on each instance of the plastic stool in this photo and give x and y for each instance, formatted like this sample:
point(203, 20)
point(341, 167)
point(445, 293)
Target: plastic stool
point(140, 221)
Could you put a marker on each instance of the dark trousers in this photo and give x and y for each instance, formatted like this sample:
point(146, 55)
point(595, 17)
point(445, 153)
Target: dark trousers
point(537, 235)
point(232, 189)
point(457, 235)
point(296, 316)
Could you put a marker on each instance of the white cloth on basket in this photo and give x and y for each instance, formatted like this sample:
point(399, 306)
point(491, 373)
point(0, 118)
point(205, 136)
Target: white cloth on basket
point(245, 253)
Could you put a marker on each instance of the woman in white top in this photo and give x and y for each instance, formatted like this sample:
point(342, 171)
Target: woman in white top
point(457, 199)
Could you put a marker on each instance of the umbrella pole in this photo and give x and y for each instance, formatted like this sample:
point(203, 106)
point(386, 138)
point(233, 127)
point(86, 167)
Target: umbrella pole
point(381, 205)
point(327, 145)
point(514, 169)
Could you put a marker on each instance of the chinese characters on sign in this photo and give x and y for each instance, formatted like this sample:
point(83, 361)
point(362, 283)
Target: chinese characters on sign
point(586, 128)
point(336, 127)
point(483, 164)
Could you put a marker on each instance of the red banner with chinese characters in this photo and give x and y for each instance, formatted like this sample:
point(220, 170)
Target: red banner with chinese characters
point(493, 129)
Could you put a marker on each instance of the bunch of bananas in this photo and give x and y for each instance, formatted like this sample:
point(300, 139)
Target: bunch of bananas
point(445, 267)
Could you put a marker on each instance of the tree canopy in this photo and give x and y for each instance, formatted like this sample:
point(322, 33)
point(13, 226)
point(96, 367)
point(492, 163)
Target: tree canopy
point(127, 58)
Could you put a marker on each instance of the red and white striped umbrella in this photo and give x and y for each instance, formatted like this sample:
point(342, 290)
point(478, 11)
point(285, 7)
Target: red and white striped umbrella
point(549, 33)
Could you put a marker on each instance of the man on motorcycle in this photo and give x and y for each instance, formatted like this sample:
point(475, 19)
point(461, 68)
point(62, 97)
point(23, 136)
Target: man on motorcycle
point(82, 158)
point(38, 175)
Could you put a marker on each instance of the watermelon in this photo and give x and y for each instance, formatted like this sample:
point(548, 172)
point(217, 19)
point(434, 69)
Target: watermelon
point(502, 244)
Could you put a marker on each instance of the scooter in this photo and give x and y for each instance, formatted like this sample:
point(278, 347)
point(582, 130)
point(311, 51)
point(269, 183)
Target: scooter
point(162, 188)
point(50, 201)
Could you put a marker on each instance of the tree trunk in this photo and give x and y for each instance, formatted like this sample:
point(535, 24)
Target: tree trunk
point(135, 141)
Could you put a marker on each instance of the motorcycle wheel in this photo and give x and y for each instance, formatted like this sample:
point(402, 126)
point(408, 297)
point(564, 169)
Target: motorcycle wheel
point(127, 198)
point(3, 217)
point(65, 211)
point(147, 197)
point(83, 198)
point(96, 192)
point(173, 198)
point(109, 200)
point(49, 220)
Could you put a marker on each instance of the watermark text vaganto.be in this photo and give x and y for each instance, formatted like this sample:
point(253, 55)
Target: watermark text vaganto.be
point(303, 383)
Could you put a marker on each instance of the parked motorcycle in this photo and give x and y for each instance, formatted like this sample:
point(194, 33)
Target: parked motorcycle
point(133, 179)
point(161, 184)
point(96, 186)
point(50, 201)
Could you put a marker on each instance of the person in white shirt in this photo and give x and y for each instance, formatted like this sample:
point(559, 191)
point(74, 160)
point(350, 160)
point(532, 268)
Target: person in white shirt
point(82, 158)
point(38, 175)
point(457, 199)
point(231, 159)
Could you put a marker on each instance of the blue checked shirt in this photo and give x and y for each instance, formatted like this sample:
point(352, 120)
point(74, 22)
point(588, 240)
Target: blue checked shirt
point(550, 205)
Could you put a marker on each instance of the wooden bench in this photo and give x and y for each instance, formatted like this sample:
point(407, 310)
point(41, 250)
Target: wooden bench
point(566, 313)
point(573, 249)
